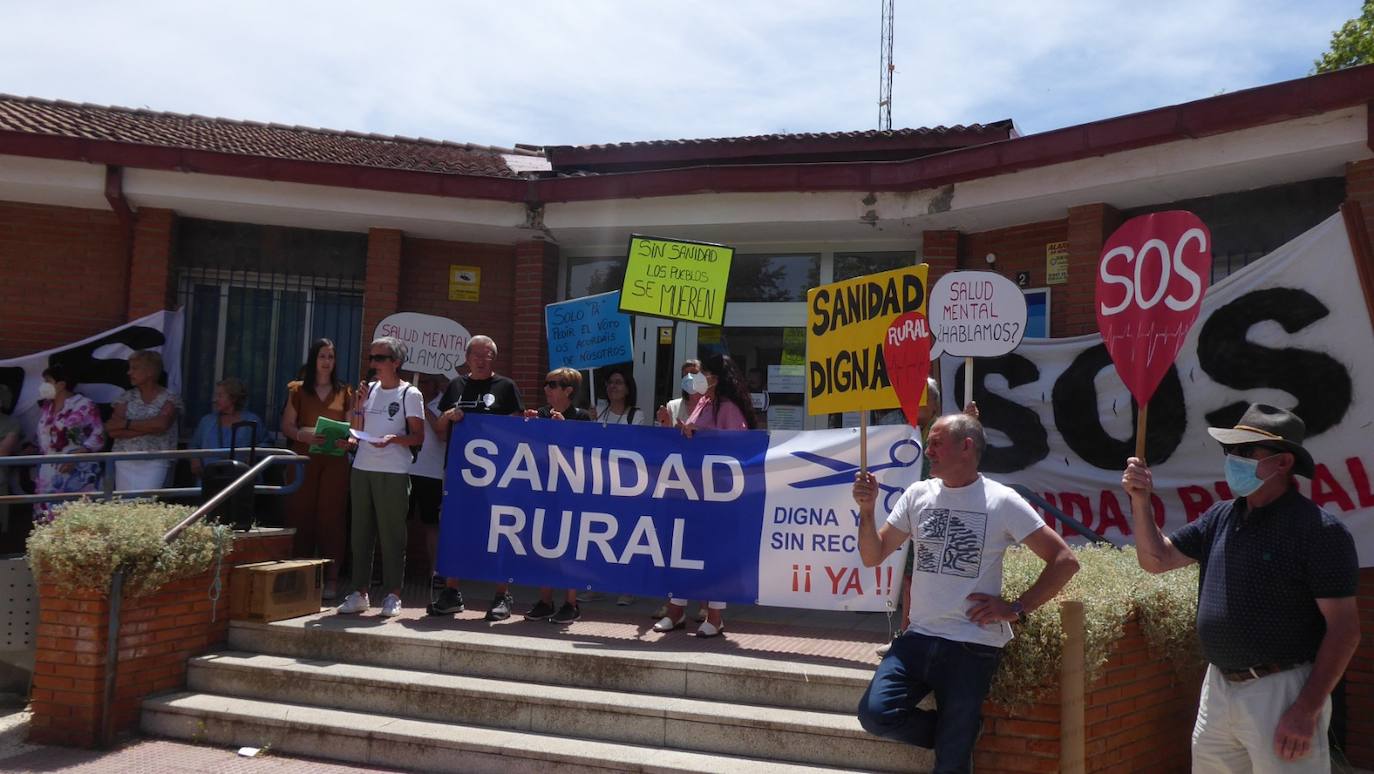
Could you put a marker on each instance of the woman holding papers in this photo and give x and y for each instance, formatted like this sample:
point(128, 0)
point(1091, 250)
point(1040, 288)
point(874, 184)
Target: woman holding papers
point(316, 510)
point(388, 430)
point(725, 406)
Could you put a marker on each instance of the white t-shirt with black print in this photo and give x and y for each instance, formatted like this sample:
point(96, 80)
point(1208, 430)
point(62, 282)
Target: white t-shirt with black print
point(383, 415)
point(960, 535)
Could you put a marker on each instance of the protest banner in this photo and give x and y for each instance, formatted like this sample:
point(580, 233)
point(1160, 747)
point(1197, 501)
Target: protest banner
point(976, 314)
point(676, 279)
point(746, 516)
point(1143, 335)
point(846, 325)
point(434, 345)
point(98, 364)
point(588, 332)
point(1291, 329)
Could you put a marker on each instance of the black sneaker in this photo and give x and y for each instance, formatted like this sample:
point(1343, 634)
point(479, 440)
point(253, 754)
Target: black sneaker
point(566, 614)
point(540, 611)
point(438, 582)
point(500, 607)
point(450, 601)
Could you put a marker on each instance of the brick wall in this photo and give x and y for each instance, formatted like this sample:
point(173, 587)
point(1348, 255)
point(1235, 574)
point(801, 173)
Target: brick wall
point(150, 270)
point(424, 288)
point(1139, 718)
point(382, 288)
point(158, 633)
point(64, 275)
point(536, 281)
point(1072, 312)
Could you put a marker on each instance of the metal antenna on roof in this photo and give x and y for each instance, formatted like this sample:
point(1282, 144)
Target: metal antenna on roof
point(887, 68)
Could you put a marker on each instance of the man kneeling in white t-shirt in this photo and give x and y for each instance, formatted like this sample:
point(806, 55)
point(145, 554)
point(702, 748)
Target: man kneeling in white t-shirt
point(960, 524)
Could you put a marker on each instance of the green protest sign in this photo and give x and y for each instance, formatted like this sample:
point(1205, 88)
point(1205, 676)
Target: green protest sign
point(676, 279)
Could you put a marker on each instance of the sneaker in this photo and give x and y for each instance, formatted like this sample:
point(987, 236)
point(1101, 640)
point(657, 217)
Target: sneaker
point(391, 606)
point(566, 614)
point(500, 607)
point(354, 603)
point(540, 611)
point(624, 600)
point(450, 601)
point(438, 582)
point(667, 624)
point(882, 650)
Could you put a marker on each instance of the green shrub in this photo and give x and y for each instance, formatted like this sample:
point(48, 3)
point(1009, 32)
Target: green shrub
point(80, 548)
point(1111, 586)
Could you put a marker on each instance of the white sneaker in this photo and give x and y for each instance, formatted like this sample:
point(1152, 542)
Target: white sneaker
point(355, 603)
point(391, 606)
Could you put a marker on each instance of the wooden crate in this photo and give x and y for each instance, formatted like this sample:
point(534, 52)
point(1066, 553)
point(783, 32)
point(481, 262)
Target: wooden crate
point(272, 591)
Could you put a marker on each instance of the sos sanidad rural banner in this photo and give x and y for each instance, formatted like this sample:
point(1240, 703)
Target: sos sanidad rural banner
point(846, 325)
point(1291, 329)
point(746, 516)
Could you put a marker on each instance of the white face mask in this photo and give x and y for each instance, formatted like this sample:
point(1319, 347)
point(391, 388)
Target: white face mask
point(694, 384)
point(46, 391)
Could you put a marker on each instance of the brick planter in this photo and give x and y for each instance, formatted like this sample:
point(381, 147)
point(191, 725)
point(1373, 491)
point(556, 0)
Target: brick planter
point(1139, 717)
point(157, 634)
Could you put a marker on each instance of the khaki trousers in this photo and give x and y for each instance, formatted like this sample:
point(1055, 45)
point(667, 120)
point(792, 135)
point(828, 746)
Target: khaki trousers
point(1235, 725)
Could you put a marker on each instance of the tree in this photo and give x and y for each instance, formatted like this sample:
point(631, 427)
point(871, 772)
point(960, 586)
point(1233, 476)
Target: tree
point(1352, 44)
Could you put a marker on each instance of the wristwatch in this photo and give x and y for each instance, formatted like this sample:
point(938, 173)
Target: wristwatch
point(1019, 609)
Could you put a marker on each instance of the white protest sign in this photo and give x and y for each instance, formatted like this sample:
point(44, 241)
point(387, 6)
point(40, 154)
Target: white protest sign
point(434, 345)
point(975, 314)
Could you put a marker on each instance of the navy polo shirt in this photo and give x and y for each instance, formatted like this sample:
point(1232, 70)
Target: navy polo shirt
point(1263, 570)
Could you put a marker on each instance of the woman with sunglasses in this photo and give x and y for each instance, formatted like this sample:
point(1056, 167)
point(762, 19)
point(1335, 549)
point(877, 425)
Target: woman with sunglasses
point(318, 508)
point(725, 406)
point(560, 388)
point(387, 421)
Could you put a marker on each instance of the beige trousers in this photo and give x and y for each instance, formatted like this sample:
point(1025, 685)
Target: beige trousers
point(1235, 725)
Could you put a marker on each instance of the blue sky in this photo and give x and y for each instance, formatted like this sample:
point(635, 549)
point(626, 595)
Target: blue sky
point(590, 71)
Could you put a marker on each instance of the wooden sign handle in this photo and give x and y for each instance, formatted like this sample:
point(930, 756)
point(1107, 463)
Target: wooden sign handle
point(968, 382)
point(863, 441)
point(1140, 432)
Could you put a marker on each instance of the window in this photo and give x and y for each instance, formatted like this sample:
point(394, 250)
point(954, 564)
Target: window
point(851, 265)
point(772, 277)
point(589, 276)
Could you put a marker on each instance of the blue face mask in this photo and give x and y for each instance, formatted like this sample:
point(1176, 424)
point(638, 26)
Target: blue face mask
point(1241, 475)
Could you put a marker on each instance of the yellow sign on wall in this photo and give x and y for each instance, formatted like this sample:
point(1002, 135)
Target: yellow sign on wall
point(845, 327)
point(464, 283)
point(1056, 263)
point(676, 280)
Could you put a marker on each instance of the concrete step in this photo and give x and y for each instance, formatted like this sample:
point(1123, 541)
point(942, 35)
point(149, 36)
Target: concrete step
point(613, 665)
point(421, 745)
point(729, 728)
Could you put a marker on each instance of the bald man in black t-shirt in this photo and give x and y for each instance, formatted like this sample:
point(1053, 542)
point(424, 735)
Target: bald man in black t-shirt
point(1276, 603)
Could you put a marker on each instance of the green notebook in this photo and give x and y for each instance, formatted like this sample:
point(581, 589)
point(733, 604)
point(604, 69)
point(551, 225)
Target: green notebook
point(327, 431)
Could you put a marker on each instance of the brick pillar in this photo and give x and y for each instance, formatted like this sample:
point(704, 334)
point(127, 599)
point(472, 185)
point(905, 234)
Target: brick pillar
point(536, 282)
point(1071, 304)
point(940, 249)
point(150, 269)
point(382, 290)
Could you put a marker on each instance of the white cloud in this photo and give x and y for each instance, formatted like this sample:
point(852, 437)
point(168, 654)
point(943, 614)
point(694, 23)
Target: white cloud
point(601, 71)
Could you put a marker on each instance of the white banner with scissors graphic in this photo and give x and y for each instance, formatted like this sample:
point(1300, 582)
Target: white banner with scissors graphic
point(808, 552)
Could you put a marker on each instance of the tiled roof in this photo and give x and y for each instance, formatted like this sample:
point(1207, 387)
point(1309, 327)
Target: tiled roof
point(1002, 128)
point(249, 138)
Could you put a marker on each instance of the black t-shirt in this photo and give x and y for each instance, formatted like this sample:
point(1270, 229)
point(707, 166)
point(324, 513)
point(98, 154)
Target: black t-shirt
point(1262, 574)
point(469, 391)
point(546, 412)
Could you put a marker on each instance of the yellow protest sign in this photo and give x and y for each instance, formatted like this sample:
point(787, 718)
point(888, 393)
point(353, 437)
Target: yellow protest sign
point(845, 328)
point(676, 280)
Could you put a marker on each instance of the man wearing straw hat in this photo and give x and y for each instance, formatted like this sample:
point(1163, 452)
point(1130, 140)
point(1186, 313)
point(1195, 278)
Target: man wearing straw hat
point(1276, 603)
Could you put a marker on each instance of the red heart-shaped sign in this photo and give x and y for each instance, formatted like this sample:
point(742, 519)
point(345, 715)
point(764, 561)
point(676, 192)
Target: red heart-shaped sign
point(1151, 278)
point(906, 352)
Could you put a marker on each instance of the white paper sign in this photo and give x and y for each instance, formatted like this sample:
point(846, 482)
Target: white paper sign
point(976, 314)
point(787, 379)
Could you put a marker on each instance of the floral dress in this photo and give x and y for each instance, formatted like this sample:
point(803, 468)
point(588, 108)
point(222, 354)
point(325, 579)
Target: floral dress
point(76, 426)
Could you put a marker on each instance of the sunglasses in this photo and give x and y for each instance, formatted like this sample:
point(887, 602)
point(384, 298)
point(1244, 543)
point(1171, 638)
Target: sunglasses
point(1248, 449)
point(380, 358)
point(556, 384)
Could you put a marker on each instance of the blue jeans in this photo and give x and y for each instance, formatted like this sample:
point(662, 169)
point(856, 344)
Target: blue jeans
point(958, 672)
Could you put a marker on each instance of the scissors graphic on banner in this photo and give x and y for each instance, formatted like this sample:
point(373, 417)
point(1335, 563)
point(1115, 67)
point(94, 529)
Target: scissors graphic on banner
point(895, 456)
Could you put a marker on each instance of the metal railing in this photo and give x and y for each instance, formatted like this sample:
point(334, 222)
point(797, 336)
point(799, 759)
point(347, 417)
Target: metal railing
point(271, 457)
point(1071, 522)
point(107, 482)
